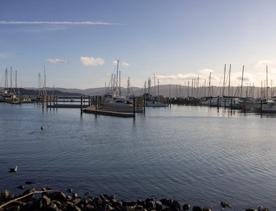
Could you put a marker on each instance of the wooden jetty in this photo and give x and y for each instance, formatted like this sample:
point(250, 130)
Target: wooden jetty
point(69, 102)
point(94, 110)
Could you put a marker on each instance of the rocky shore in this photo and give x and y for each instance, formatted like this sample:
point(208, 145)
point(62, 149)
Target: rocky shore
point(52, 200)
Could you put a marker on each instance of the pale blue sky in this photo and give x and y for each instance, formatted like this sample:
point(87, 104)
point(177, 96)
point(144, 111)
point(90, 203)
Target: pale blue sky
point(174, 38)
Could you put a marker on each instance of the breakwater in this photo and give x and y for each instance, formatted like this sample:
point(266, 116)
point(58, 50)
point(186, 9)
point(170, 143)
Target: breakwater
point(54, 200)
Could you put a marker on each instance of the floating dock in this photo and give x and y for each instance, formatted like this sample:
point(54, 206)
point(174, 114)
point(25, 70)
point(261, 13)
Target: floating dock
point(93, 110)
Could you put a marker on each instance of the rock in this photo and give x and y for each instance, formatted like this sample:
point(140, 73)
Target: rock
point(128, 203)
point(225, 205)
point(46, 201)
point(250, 209)
point(20, 187)
point(206, 209)
point(150, 204)
point(97, 201)
point(76, 201)
point(261, 208)
point(69, 198)
point(6, 195)
point(175, 205)
point(139, 208)
point(158, 205)
point(167, 202)
point(29, 191)
point(70, 190)
point(186, 207)
point(108, 207)
point(140, 202)
point(89, 207)
point(60, 196)
point(13, 208)
point(196, 208)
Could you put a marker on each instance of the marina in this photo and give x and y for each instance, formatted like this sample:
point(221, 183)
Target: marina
point(215, 155)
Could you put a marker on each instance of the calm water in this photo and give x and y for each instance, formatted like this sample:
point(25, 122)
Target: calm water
point(192, 154)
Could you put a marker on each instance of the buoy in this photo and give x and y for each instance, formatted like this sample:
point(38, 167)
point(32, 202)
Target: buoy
point(41, 128)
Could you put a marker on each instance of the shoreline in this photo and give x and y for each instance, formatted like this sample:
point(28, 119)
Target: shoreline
point(56, 200)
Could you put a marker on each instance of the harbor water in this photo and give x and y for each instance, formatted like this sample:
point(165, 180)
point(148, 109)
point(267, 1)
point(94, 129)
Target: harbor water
point(193, 154)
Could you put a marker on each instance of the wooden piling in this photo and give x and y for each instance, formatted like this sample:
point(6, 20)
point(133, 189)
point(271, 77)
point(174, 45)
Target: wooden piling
point(134, 106)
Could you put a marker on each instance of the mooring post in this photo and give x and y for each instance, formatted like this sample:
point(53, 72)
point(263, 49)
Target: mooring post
point(134, 105)
point(81, 103)
point(261, 106)
point(144, 104)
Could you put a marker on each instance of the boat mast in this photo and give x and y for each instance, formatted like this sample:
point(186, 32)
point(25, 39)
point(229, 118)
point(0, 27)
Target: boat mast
point(158, 87)
point(266, 81)
point(229, 81)
point(242, 80)
point(223, 86)
point(209, 89)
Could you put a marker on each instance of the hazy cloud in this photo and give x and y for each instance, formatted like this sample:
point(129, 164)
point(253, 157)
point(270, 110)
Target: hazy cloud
point(122, 63)
point(91, 61)
point(72, 23)
point(4, 55)
point(56, 61)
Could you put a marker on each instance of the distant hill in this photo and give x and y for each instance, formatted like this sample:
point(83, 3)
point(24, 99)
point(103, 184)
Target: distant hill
point(165, 90)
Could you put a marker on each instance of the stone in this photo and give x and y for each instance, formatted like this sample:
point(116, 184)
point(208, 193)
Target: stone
point(158, 205)
point(225, 205)
point(139, 208)
point(20, 187)
point(175, 205)
point(129, 203)
point(5, 195)
point(89, 207)
point(70, 190)
point(60, 196)
point(261, 208)
point(167, 202)
point(196, 208)
point(46, 201)
point(108, 207)
point(186, 207)
point(150, 204)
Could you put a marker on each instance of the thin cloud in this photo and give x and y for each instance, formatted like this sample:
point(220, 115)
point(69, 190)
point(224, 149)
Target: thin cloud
point(3, 56)
point(56, 61)
point(91, 61)
point(124, 64)
point(70, 23)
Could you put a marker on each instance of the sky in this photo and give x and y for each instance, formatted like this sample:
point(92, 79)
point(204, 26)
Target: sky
point(178, 40)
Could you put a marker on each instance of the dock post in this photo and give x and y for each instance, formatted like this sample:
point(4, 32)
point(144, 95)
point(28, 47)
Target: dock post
point(144, 104)
point(134, 105)
point(81, 104)
point(261, 106)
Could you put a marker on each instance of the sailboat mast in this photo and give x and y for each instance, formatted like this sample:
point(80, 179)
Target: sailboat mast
point(223, 86)
point(266, 81)
point(229, 81)
point(242, 80)
point(209, 89)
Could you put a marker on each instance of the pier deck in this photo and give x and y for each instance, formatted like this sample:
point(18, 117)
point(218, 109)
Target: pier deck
point(93, 110)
